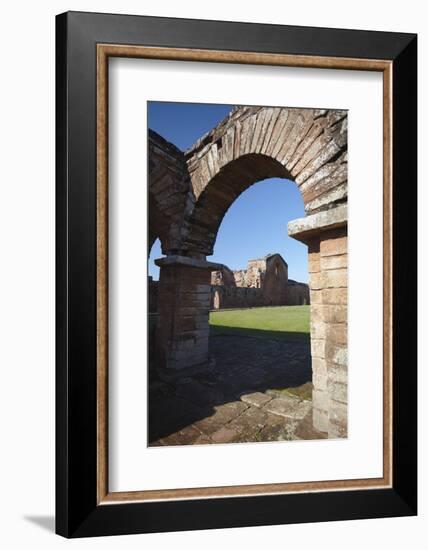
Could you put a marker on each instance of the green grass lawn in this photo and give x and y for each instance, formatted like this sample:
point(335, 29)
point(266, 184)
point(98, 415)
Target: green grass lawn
point(285, 322)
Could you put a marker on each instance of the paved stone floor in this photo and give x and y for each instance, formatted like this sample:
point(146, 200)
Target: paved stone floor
point(257, 390)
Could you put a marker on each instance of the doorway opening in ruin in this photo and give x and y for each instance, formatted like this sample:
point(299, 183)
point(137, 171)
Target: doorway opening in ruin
point(260, 317)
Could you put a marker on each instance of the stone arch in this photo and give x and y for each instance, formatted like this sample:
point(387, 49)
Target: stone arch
point(307, 146)
point(220, 193)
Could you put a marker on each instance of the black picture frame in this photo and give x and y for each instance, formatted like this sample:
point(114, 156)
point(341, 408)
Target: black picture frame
point(77, 511)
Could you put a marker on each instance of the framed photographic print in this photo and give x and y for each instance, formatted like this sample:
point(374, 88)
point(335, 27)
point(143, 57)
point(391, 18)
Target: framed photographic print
point(236, 274)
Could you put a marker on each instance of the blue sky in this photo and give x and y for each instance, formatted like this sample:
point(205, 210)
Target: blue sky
point(256, 223)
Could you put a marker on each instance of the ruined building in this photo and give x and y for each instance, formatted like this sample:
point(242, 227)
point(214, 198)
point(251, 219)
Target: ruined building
point(265, 282)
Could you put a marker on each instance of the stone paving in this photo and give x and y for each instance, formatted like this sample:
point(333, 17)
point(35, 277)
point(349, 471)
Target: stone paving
point(257, 390)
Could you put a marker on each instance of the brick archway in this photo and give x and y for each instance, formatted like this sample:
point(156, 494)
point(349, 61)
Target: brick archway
point(193, 191)
point(307, 146)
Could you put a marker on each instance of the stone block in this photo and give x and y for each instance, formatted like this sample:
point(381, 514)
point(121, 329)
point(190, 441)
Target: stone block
point(317, 313)
point(335, 278)
point(336, 354)
point(318, 348)
point(257, 125)
point(289, 407)
point(334, 245)
point(320, 400)
point(250, 420)
point(314, 262)
point(316, 297)
point(229, 145)
point(320, 420)
point(327, 153)
point(306, 149)
point(268, 112)
point(336, 175)
point(338, 193)
point(187, 323)
point(303, 123)
point(318, 329)
point(222, 415)
point(338, 420)
point(224, 435)
point(319, 365)
point(276, 111)
point(257, 399)
point(337, 373)
point(277, 132)
point(337, 430)
point(316, 281)
point(337, 391)
point(335, 314)
point(335, 296)
point(334, 262)
point(319, 380)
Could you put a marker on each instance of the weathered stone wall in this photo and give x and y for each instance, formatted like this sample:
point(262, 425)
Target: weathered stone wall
point(275, 281)
point(232, 297)
point(297, 294)
point(263, 283)
point(223, 276)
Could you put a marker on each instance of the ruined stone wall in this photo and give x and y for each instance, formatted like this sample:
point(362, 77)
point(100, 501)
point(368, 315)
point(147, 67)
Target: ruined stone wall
point(297, 294)
point(232, 297)
point(268, 276)
point(223, 276)
point(240, 277)
point(255, 273)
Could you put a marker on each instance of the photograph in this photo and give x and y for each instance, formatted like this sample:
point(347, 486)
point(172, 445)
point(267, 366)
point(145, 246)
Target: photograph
point(247, 297)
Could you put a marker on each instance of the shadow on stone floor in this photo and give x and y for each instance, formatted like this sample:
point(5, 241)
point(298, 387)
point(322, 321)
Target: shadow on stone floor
point(283, 336)
point(246, 362)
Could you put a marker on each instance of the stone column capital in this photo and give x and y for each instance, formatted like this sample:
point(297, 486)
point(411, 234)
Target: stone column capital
point(305, 229)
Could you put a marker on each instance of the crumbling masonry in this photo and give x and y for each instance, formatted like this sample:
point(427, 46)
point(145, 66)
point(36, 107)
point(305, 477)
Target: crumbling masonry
point(265, 282)
point(190, 192)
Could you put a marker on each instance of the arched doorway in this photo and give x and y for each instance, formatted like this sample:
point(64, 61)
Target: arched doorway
point(258, 342)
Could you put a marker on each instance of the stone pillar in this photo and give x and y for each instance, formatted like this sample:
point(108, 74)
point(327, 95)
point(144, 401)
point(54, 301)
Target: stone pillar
point(326, 236)
point(182, 331)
